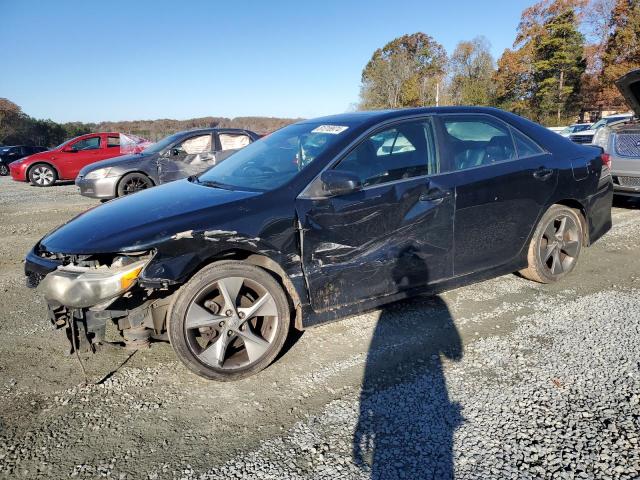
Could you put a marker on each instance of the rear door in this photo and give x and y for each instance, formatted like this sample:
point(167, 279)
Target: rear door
point(394, 234)
point(503, 181)
point(113, 148)
point(190, 156)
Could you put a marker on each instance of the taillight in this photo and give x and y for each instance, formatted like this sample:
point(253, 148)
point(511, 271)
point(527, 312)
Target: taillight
point(606, 160)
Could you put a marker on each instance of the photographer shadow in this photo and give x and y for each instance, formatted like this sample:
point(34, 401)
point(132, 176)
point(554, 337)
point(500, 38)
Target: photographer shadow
point(407, 421)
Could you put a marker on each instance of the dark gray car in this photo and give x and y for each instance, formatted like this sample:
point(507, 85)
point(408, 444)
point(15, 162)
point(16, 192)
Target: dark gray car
point(174, 157)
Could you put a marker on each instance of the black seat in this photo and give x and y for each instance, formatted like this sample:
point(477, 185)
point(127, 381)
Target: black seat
point(499, 148)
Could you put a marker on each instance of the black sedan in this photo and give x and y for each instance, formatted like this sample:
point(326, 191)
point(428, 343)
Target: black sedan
point(174, 157)
point(321, 219)
point(12, 153)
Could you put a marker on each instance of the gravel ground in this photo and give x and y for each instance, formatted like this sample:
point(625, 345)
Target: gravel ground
point(502, 379)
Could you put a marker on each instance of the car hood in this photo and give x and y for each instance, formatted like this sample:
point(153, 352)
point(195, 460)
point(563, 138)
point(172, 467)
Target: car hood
point(147, 218)
point(629, 86)
point(115, 162)
point(35, 156)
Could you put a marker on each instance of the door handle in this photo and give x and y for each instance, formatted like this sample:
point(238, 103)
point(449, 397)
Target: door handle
point(435, 195)
point(542, 173)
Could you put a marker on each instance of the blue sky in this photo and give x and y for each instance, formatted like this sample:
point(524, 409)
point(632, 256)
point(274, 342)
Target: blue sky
point(127, 60)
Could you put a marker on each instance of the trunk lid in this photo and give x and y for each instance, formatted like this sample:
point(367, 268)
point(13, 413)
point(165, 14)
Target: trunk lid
point(629, 86)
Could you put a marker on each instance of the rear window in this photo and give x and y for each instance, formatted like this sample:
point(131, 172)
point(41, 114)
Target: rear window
point(525, 146)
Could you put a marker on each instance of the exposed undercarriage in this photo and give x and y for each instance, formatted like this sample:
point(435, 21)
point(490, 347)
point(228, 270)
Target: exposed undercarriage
point(75, 301)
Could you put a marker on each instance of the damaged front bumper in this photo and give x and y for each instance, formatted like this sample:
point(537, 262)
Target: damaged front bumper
point(83, 287)
point(84, 293)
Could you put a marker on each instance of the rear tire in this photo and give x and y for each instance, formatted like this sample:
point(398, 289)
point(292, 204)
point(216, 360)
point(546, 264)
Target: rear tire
point(42, 175)
point(229, 321)
point(132, 183)
point(555, 245)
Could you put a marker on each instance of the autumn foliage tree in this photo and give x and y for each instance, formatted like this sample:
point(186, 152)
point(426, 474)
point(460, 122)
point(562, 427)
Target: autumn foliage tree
point(11, 118)
point(540, 78)
point(471, 68)
point(406, 72)
point(558, 67)
point(622, 50)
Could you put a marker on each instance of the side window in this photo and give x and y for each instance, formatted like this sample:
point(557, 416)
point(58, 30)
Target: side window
point(476, 141)
point(195, 145)
point(91, 143)
point(404, 151)
point(233, 141)
point(525, 146)
point(113, 141)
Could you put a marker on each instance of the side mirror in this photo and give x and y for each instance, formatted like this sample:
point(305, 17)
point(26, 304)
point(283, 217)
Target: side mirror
point(174, 152)
point(69, 150)
point(336, 182)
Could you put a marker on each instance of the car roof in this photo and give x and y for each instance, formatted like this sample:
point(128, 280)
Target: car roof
point(376, 116)
point(214, 129)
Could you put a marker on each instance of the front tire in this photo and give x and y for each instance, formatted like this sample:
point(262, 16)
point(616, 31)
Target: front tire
point(132, 183)
point(555, 245)
point(4, 170)
point(229, 321)
point(42, 175)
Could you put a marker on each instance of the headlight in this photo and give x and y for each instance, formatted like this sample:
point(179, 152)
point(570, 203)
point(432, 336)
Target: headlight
point(81, 287)
point(97, 174)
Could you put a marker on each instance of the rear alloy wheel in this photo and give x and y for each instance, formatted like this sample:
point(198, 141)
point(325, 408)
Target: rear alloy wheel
point(4, 170)
point(42, 175)
point(132, 183)
point(555, 245)
point(229, 321)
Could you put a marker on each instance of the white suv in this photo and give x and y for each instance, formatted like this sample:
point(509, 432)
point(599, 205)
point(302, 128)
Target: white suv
point(586, 136)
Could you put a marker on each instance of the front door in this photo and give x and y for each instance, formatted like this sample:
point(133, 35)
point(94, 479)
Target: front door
point(190, 156)
point(394, 234)
point(80, 154)
point(503, 181)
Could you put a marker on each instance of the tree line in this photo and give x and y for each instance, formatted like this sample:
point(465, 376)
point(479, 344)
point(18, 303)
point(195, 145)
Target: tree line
point(18, 128)
point(564, 60)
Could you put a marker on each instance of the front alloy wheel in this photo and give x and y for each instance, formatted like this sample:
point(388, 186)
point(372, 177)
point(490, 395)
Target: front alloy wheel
point(42, 175)
point(132, 183)
point(555, 245)
point(229, 321)
point(4, 170)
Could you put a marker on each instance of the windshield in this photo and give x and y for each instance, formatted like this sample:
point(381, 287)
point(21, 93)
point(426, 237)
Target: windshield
point(162, 144)
point(273, 160)
point(64, 143)
point(598, 124)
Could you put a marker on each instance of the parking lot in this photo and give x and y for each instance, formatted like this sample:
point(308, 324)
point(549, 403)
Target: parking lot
point(502, 379)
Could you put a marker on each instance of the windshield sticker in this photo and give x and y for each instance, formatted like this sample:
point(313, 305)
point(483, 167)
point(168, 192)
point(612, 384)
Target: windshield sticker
point(332, 129)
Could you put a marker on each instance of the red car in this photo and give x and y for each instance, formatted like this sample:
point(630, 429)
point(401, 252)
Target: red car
point(65, 161)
